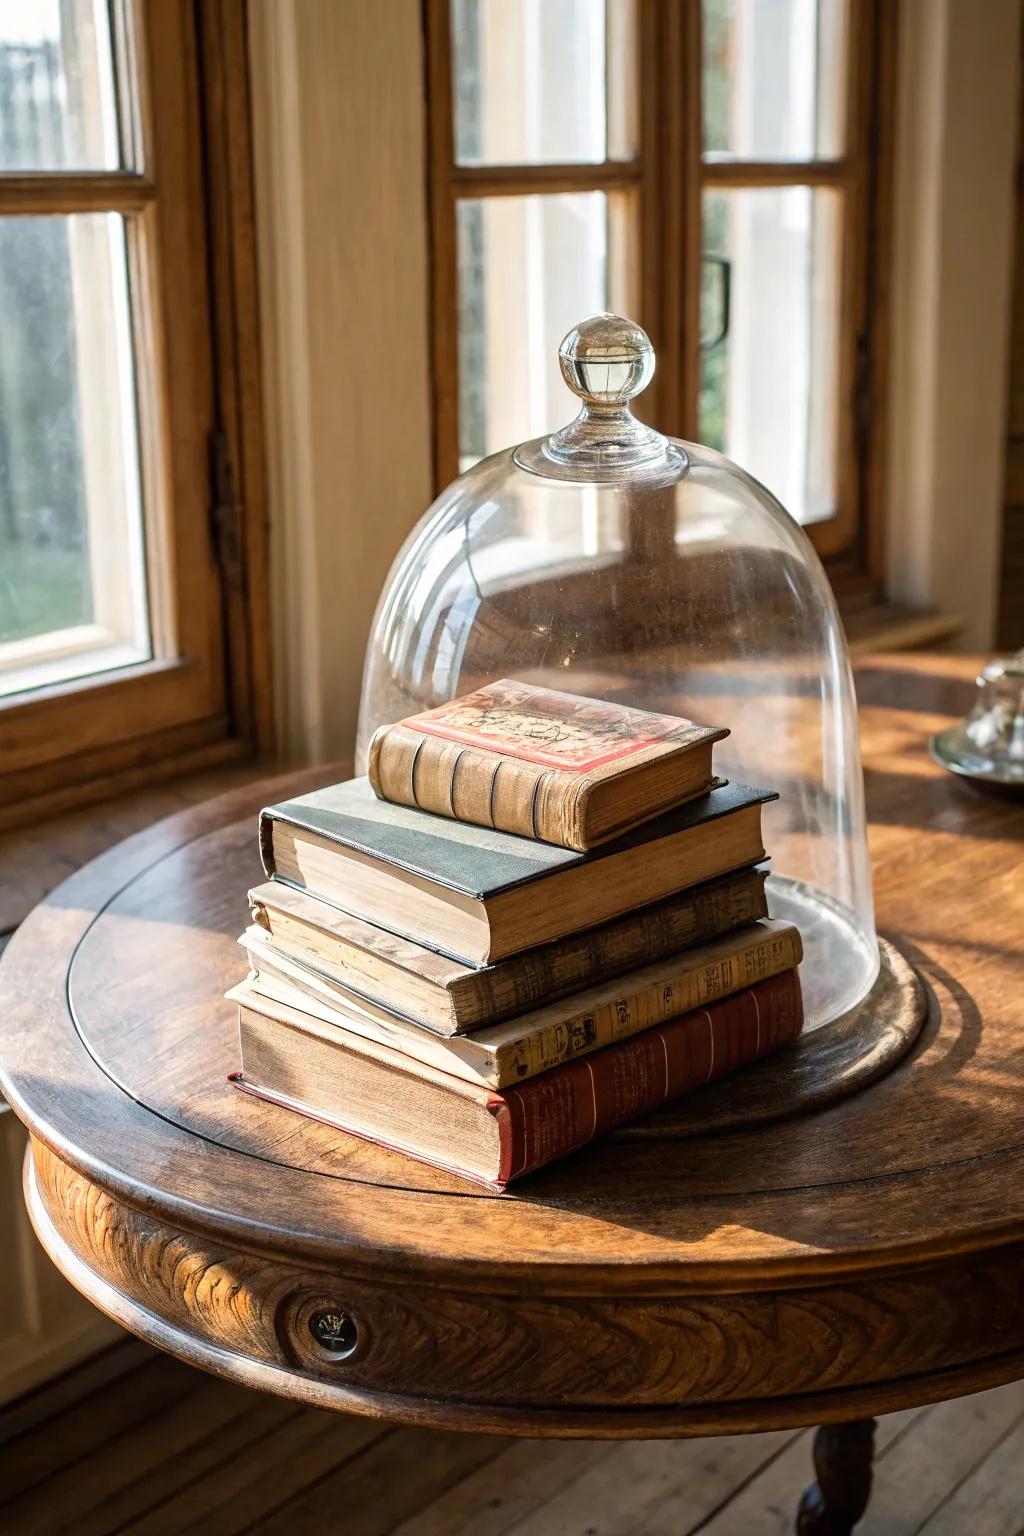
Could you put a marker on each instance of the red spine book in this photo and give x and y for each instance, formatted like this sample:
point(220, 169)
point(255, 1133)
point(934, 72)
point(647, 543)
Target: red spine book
point(384, 1096)
point(560, 1111)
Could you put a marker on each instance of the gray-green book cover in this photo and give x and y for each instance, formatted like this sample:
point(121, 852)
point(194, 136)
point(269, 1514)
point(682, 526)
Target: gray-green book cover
point(475, 861)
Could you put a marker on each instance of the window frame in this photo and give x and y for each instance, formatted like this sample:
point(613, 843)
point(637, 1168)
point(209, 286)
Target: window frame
point(204, 695)
point(669, 175)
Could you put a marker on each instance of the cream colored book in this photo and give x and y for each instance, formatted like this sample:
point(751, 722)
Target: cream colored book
point(523, 1047)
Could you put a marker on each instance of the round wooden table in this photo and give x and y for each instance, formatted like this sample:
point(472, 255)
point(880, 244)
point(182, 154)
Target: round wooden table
point(822, 1269)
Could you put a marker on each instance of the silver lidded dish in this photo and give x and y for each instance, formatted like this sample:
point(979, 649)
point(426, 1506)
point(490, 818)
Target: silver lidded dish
point(987, 746)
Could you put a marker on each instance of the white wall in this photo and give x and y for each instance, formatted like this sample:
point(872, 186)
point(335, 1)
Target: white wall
point(957, 128)
point(341, 213)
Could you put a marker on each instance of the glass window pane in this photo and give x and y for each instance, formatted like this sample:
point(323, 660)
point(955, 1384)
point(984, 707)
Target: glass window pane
point(58, 103)
point(769, 387)
point(537, 81)
point(773, 77)
point(72, 570)
point(530, 268)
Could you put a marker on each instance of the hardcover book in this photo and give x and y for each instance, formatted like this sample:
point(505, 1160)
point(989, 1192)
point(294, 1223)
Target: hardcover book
point(479, 894)
point(554, 766)
point(523, 1047)
point(451, 997)
point(495, 1137)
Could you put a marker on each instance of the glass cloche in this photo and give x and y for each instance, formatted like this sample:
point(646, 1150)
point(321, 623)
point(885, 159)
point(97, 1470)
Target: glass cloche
point(610, 561)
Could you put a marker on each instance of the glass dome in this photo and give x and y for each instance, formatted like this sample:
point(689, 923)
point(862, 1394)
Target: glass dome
point(610, 561)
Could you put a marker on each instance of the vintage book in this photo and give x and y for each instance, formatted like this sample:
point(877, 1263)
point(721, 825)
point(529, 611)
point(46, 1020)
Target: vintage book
point(568, 770)
point(451, 997)
point(382, 1095)
point(479, 894)
point(519, 1048)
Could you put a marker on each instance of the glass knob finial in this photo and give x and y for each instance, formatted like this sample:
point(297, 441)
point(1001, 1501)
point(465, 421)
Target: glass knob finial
point(607, 360)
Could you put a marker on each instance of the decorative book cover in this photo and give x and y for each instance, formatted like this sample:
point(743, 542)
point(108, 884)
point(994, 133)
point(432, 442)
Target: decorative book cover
point(554, 730)
point(560, 1111)
point(565, 769)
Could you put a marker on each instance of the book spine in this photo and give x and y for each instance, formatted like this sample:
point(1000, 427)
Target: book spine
point(449, 779)
point(553, 1115)
point(654, 1004)
point(266, 841)
point(568, 965)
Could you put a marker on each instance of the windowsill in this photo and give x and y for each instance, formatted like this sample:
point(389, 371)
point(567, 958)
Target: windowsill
point(44, 661)
point(879, 626)
point(36, 857)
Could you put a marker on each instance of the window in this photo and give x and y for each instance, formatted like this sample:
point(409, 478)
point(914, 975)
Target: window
point(712, 167)
point(119, 636)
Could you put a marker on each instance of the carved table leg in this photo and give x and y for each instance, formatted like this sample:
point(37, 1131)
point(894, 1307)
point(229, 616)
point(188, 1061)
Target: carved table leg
point(842, 1463)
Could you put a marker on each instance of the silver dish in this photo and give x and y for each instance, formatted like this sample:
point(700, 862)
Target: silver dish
point(988, 746)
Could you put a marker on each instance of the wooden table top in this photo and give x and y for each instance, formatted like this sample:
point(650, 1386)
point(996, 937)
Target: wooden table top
point(866, 1255)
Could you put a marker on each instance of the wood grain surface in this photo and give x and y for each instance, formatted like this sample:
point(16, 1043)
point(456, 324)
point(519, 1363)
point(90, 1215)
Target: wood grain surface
point(867, 1256)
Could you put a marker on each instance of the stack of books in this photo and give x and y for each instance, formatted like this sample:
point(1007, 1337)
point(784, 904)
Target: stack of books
point(540, 916)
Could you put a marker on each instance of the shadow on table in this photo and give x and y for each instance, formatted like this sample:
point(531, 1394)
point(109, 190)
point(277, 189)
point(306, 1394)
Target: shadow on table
point(938, 1109)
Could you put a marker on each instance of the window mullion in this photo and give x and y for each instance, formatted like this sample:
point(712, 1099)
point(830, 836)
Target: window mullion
point(777, 173)
point(75, 192)
point(444, 315)
point(521, 180)
point(691, 131)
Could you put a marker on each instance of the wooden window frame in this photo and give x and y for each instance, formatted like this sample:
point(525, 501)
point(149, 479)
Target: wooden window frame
point(205, 695)
point(670, 174)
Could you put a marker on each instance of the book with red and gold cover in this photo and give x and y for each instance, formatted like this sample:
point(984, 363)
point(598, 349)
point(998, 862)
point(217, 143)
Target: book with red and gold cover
point(493, 1137)
point(558, 767)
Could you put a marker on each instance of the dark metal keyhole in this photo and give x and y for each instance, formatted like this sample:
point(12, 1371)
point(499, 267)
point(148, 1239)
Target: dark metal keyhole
point(335, 1331)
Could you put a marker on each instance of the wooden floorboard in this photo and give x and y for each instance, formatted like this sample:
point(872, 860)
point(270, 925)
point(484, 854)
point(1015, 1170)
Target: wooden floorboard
point(59, 1444)
point(71, 1387)
point(135, 1444)
point(765, 1504)
point(988, 1502)
point(239, 1492)
point(377, 1490)
point(920, 1474)
point(651, 1486)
